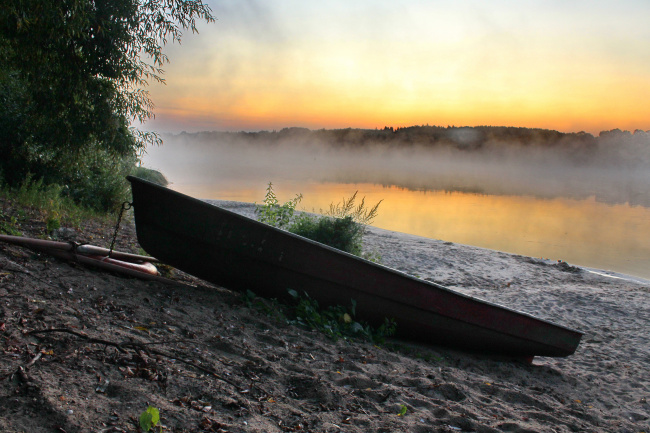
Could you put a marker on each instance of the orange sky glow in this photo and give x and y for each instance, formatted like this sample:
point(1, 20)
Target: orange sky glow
point(568, 66)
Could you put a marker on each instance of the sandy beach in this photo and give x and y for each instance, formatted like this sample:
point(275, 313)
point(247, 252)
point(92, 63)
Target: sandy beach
point(212, 364)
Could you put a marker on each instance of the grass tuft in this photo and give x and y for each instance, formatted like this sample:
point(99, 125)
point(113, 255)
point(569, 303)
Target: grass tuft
point(54, 208)
point(151, 175)
point(336, 322)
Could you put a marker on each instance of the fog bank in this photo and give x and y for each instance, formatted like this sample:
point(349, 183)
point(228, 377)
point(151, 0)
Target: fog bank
point(613, 167)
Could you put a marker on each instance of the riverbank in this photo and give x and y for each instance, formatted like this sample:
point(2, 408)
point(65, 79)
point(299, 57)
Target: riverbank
point(210, 363)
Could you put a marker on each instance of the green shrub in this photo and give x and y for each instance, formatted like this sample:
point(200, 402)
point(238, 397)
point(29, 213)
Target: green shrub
point(56, 209)
point(99, 181)
point(9, 225)
point(337, 322)
point(341, 227)
point(93, 177)
point(151, 175)
point(341, 233)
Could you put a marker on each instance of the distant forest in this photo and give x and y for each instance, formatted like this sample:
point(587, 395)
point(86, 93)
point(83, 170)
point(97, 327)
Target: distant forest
point(615, 146)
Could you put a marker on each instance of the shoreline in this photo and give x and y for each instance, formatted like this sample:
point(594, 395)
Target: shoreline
point(248, 209)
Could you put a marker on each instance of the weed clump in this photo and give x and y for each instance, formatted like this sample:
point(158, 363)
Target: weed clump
point(151, 175)
point(274, 214)
point(336, 322)
point(54, 207)
point(341, 227)
point(340, 233)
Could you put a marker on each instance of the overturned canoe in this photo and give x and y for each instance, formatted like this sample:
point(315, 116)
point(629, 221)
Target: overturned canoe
point(240, 253)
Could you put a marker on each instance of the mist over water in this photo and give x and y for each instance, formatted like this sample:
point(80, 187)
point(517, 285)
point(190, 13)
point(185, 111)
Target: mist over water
point(573, 197)
point(613, 170)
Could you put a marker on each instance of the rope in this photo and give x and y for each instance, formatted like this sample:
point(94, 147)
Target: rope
point(125, 206)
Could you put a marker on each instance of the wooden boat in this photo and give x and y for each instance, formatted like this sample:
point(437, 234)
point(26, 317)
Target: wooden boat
point(240, 253)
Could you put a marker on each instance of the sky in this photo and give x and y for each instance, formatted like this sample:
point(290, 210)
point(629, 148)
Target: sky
point(568, 65)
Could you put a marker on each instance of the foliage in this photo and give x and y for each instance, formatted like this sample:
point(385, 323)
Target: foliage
point(55, 208)
point(342, 233)
point(8, 224)
point(335, 321)
point(151, 175)
point(99, 181)
point(270, 307)
point(341, 227)
point(72, 78)
point(274, 214)
point(46, 198)
point(402, 410)
point(149, 418)
point(360, 214)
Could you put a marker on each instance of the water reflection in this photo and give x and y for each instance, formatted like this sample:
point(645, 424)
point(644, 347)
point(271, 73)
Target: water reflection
point(581, 232)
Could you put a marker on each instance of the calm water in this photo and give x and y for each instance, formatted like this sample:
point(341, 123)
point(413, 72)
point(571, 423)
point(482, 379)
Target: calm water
point(528, 211)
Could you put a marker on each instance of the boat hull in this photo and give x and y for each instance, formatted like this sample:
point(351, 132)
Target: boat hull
point(240, 253)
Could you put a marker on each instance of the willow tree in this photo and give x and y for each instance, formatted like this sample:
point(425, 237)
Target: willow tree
point(73, 78)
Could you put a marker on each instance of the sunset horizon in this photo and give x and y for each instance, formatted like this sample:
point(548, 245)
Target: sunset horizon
point(565, 67)
point(257, 127)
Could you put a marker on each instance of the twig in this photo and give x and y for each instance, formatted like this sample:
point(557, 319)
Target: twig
point(121, 347)
point(157, 343)
point(33, 361)
point(198, 367)
point(118, 346)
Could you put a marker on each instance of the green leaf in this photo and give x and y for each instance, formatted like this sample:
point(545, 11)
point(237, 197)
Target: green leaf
point(149, 418)
point(402, 410)
point(353, 310)
point(145, 421)
point(357, 327)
